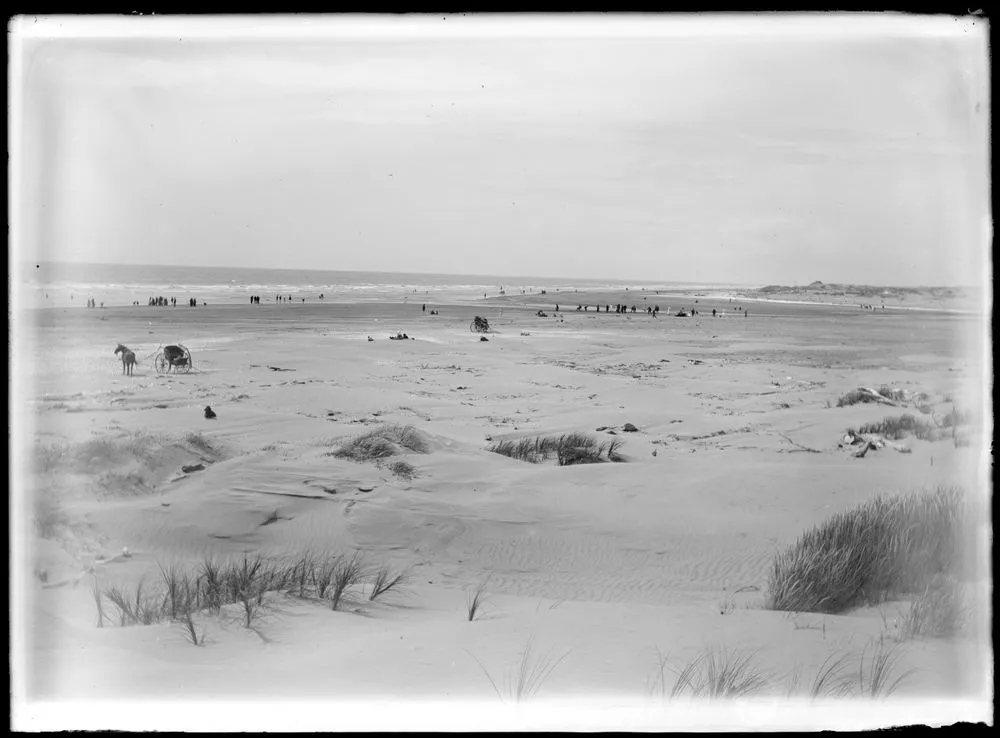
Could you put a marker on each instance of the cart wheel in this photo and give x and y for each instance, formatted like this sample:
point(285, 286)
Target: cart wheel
point(162, 364)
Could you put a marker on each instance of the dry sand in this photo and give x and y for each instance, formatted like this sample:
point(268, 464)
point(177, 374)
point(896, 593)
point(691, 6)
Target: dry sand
point(735, 456)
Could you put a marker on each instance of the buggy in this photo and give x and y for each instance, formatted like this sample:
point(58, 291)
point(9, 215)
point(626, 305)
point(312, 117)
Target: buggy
point(176, 357)
point(479, 325)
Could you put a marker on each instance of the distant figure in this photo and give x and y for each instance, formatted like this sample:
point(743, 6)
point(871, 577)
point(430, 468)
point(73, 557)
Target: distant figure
point(423, 308)
point(744, 313)
point(209, 412)
point(370, 338)
point(557, 307)
point(713, 312)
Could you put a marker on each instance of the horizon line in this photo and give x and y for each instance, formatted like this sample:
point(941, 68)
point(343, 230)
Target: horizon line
point(518, 276)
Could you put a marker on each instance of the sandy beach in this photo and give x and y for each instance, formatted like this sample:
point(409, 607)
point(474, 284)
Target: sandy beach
point(609, 567)
point(487, 372)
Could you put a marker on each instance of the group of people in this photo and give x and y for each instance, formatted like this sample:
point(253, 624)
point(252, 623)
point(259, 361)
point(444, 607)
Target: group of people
point(652, 310)
point(170, 302)
point(255, 299)
point(90, 302)
point(619, 309)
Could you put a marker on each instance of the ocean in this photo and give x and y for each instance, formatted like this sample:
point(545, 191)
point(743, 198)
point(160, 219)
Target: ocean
point(61, 284)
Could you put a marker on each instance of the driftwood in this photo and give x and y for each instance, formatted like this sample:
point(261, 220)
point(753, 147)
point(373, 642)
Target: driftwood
point(878, 397)
point(862, 443)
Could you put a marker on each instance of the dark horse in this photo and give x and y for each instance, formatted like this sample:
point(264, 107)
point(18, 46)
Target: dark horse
point(128, 358)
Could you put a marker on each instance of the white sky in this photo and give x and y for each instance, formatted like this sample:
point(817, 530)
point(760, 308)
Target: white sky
point(777, 149)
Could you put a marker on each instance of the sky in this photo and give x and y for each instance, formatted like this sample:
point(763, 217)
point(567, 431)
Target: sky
point(727, 149)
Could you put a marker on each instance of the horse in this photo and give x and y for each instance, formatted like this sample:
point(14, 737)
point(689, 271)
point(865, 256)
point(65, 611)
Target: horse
point(128, 358)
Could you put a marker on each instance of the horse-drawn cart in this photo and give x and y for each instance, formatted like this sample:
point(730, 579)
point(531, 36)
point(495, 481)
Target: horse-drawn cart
point(479, 325)
point(176, 357)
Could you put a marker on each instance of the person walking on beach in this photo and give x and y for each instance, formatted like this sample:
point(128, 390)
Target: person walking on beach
point(423, 308)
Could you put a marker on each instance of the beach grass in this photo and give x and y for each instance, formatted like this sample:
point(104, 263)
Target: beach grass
point(890, 545)
point(474, 600)
point(568, 449)
point(384, 579)
point(527, 677)
point(382, 442)
point(346, 573)
point(720, 673)
point(856, 396)
point(895, 428)
point(936, 612)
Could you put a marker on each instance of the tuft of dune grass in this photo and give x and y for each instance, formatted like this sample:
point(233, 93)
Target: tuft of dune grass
point(936, 612)
point(244, 583)
point(568, 449)
point(890, 545)
point(856, 396)
point(718, 673)
point(402, 469)
point(382, 442)
point(527, 678)
point(895, 428)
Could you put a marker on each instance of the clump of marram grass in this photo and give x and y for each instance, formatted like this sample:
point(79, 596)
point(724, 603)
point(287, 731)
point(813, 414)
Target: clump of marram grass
point(936, 612)
point(402, 469)
point(832, 679)
point(890, 545)
point(880, 680)
point(528, 677)
point(954, 418)
point(568, 449)
point(385, 579)
point(474, 600)
point(142, 608)
point(896, 395)
point(901, 426)
point(854, 397)
point(720, 674)
point(244, 582)
point(50, 456)
point(346, 573)
point(381, 443)
point(861, 395)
